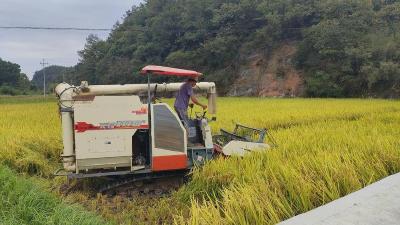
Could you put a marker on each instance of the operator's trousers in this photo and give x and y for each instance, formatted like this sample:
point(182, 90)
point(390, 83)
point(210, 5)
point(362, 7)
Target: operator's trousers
point(183, 115)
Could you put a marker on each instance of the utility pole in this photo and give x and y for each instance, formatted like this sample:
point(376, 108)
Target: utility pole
point(44, 64)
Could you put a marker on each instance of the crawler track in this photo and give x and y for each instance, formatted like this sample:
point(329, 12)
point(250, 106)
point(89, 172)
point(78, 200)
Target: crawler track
point(143, 186)
point(152, 184)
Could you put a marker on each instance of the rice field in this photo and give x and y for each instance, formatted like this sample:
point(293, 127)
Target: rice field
point(326, 149)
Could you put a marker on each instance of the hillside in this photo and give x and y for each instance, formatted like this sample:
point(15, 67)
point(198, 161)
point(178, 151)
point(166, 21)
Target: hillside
point(277, 48)
point(267, 77)
point(54, 75)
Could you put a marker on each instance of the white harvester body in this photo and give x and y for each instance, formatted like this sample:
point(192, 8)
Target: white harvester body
point(110, 130)
point(103, 131)
point(100, 125)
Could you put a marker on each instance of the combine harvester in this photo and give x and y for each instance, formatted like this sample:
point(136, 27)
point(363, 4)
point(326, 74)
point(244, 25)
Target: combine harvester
point(110, 131)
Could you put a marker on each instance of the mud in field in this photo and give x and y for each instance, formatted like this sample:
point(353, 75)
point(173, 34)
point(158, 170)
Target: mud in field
point(140, 202)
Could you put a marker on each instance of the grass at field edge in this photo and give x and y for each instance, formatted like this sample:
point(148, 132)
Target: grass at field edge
point(24, 201)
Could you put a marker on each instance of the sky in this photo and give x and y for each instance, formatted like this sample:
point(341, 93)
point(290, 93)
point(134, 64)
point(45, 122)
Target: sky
point(28, 47)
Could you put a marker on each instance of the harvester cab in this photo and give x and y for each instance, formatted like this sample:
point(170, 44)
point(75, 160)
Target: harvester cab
point(109, 130)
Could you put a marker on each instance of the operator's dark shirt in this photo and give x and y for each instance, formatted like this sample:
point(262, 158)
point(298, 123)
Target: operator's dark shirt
point(183, 96)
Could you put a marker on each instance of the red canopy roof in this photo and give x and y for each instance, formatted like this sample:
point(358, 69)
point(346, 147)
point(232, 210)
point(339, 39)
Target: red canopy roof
point(162, 70)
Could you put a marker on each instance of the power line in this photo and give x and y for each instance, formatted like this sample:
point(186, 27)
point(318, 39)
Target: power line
point(54, 28)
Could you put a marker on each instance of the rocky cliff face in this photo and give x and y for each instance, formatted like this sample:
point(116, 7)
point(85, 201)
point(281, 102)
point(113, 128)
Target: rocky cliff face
point(269, 76)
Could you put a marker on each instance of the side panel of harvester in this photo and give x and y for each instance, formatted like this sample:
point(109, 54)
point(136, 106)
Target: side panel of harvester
point(169, 140)
point(103, 131)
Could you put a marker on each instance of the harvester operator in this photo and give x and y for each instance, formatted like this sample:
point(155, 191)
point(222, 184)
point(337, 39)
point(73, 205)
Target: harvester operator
point(182, 100)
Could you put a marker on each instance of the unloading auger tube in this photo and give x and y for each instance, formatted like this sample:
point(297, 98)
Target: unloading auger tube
point(67, 94)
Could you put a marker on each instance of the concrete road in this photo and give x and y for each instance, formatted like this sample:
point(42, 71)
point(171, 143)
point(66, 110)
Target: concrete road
point(378, 203)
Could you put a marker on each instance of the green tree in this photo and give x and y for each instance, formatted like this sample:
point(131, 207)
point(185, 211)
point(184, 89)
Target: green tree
point(345, 48)
point(9, 73)
point(89, 57)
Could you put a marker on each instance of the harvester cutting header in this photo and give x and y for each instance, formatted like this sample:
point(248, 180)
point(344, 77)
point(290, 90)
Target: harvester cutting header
point(109, 130)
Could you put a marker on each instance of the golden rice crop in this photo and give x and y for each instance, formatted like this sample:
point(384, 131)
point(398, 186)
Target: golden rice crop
point(30, 135)
point(316, 162)
point(326, 149)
